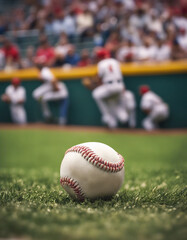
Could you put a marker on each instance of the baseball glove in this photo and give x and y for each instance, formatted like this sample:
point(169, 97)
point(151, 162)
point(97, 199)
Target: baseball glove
point(90, 82)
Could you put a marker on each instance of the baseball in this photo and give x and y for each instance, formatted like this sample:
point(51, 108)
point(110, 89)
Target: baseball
point(91, 170)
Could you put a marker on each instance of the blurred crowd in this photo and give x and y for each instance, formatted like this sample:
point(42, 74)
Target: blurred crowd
point(132, 30)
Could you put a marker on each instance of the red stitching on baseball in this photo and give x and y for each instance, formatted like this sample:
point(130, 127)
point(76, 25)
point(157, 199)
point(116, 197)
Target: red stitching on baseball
point(97, 161)
point(73, 184)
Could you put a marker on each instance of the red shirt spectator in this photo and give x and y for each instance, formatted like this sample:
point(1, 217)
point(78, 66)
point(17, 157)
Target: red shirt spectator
point(85, 59)
point(46, 51)
point(10, 51)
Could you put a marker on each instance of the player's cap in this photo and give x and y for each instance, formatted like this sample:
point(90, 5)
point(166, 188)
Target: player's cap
point(16, 81)
point(143, 89)
point(102, 53)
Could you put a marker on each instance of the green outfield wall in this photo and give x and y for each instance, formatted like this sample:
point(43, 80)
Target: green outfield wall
point(172, 87)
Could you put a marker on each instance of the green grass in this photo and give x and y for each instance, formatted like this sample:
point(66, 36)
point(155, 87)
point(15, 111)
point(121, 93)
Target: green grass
point(150, 205)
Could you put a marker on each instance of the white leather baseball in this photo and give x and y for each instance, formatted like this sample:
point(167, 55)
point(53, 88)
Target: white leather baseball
point(91, 170)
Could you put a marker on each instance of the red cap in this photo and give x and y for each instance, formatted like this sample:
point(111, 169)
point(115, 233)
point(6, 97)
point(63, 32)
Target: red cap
point(16, 81)
point(143, 89)
point(102, 53)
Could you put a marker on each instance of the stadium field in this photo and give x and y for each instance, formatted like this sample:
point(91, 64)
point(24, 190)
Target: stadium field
point(150, 205)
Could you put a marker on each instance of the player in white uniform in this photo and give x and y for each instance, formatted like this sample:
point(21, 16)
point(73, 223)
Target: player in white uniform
point(108, 95)
point(51, 90)
point(130, 106)
point(15, 95)
point(155, 108)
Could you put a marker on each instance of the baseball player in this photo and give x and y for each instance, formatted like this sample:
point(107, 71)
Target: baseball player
point(51, 90)
point(108, 88)
point(15, 96)
point(155, 108)
point(129, 103)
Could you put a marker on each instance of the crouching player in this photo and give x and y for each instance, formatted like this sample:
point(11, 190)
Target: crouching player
point(155, 108)
point(50, 90)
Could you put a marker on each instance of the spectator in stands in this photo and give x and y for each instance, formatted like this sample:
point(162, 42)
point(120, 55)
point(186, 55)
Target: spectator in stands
point(11, 53)
point(27, 61)
point(140, 19)
point(15, 96)
point(182, 38)
point(46, 51)
point(155, 23)
point(72, 58)
point(84, 22)
point(58, 23)
point(163, 50)
point(127, 52)
point(97, 20)
point(146, 52)
point(70, 24)
point(31, 19)
point(2, 59)
point(49, 24)
point(98, 36)
point(112, 43)
point(85, 58)
point(61, 50)
point(3, 25)
point(177, 52)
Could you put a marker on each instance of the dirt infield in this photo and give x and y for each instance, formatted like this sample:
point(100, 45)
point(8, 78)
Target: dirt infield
point(72, 128)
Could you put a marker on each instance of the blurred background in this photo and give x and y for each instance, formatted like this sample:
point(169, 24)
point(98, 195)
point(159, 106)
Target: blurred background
point(137, 33)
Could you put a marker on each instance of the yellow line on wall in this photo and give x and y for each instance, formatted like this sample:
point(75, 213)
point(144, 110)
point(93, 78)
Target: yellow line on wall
point(129, 69)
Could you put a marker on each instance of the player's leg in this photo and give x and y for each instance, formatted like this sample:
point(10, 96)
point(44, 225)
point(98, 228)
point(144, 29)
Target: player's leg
point(121, 114)
point(22, 117)
point(120, 111)
point(132, 118)
point(63, 97)
point(149, 124)
point(46, 110)
point(64, 105)
point(128, 102)
point(14, 114)
point(159, 114)
point(18, 114)
point(110, 121)
point(39, 92)
point(117, 108)
point(100, 95)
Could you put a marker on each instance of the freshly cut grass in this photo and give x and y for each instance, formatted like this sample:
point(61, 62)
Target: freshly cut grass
point(150, 205)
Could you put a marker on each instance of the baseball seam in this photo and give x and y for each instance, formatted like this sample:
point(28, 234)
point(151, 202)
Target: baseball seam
point(90, 156)
point(74, 185)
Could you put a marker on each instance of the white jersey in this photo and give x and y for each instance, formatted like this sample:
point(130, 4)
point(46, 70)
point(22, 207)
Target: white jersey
point(46, 90)
point(15, 94)
point(17, 110)
point(146, 52)
point(47, 76)
point(159, 110)
point(109, 71)
point(163, 53)
point(150, 100)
